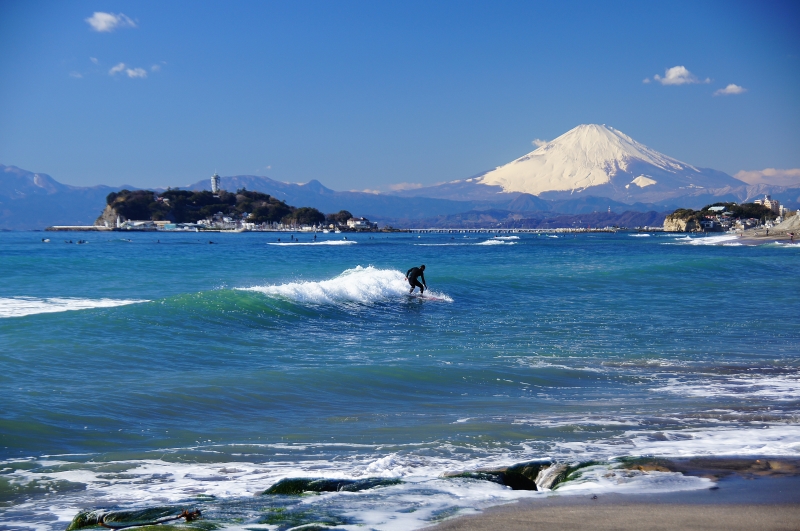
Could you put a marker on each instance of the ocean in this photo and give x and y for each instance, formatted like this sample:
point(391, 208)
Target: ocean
point(159, 370)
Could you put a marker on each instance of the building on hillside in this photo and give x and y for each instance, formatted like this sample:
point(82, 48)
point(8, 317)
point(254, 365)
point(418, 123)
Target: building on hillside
point(772, 204)
point(215, 183)
point(361, 223)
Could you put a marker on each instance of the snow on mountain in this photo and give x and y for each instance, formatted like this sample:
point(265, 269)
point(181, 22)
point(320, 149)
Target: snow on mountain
point(594, 160)
point(597, 156)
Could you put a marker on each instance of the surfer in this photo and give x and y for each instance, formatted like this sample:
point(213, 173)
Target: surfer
point(415, 273)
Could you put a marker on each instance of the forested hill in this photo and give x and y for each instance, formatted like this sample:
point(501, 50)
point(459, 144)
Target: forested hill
point(183, 206)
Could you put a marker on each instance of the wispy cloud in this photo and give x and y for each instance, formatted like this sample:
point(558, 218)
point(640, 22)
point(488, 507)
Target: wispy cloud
point(130, 72)
point(108, 22)
point(76, 75)
point(94, 60)
point(538, 142)
point(730, 89)
point(677, 75)
point(116, 69)
point(774, 176)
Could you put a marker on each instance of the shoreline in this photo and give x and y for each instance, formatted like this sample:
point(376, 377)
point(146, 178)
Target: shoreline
point(733, 503)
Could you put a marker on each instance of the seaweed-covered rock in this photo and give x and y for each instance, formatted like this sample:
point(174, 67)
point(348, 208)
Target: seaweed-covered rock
point(90, 518)
point(649, 464)
point(521, 476)
point(301, 485)
point(85, 519)
point(553, 475)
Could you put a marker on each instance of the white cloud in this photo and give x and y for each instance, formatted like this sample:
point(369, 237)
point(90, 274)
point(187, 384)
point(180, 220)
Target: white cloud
point(94, 60)
point(116, 69)
point(136, 72)
point(155, 68)
point(404, 186)
point(108, 22)
point(678, 75)
point(730, 89)
point(646, 80)
point(130, 72)
point(774, 176)
point(538, 142)
point(76, 75)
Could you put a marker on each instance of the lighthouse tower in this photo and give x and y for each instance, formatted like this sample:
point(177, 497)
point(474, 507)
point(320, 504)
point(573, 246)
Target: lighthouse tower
point(215, 183)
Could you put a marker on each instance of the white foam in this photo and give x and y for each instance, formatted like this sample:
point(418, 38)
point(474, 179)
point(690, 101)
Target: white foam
point(506, 237)
point(600, 479)
point(360, 284)
point(763, 439)
point(707, 240)
point(495, 241)
point(329, 242)
point(22, 306)
point(780, 388)
point(639, 235)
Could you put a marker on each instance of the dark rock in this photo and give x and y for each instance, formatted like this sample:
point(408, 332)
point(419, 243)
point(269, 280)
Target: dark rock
point(301, 485)
point(521, 476)
point(89, 518)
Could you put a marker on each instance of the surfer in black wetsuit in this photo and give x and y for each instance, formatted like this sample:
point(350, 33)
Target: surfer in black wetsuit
point(415, 273)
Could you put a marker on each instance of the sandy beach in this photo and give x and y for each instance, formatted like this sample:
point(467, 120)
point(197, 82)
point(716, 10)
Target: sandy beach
point(733, 504)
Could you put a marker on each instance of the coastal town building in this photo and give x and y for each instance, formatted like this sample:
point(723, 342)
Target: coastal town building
point(361, 223)
point(215, 183)
point(772, 204)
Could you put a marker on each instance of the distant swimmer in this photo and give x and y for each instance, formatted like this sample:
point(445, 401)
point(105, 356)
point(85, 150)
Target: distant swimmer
point(415, 273)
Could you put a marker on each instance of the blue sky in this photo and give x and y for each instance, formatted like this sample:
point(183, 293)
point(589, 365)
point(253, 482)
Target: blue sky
point(361, 95)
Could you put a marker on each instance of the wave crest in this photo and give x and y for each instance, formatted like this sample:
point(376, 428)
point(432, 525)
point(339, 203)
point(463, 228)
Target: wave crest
point(360, 284)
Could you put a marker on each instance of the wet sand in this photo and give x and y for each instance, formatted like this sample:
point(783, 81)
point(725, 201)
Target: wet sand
point(734, 503)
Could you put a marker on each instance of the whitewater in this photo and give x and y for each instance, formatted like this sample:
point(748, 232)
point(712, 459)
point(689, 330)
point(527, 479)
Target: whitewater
point(166, 372)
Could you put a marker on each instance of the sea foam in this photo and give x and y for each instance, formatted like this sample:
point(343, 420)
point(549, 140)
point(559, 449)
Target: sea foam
point(326, 242)
point(360, 284)
point(22, 306)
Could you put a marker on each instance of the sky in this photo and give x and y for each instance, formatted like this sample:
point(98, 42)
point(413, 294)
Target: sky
point(370, 95)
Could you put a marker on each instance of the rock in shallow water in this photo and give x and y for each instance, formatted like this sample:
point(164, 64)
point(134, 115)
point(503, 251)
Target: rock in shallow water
point(90, 518)
point(301, 485)
point(521, 476)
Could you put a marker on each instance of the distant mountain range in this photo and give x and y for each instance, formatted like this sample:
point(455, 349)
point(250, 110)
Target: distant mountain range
point(35, 200)
point(592, 168)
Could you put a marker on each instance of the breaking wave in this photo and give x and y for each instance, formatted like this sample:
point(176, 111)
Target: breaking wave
point(707, 240)
point(496, 241)
point(361, 284)
point(22, 306)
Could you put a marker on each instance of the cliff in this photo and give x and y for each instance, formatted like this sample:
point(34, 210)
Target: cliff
point(682, 220)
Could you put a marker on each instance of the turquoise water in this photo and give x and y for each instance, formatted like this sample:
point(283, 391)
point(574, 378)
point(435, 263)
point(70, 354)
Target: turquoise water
point(165, 370)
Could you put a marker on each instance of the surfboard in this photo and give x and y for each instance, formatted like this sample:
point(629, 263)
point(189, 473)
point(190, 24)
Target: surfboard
point(425, 297)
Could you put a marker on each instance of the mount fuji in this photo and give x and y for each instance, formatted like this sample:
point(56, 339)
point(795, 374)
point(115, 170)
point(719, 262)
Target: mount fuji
point(590, 160)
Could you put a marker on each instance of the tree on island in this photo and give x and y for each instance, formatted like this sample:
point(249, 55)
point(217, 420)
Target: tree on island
point(340, 218)
point(184, 206)
point(304, 216)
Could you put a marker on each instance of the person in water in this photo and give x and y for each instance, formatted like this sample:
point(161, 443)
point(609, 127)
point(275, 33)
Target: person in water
point(413, 275)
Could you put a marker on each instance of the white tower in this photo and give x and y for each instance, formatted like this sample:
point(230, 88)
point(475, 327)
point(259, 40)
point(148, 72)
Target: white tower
point(215, 183)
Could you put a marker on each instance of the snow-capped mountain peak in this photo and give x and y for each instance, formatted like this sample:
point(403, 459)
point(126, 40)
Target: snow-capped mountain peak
point(586, 156)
